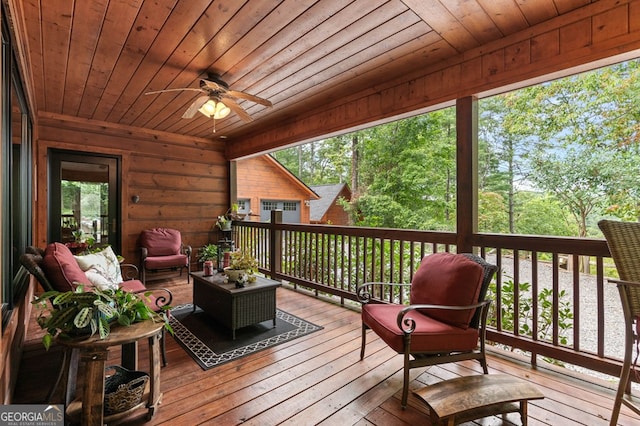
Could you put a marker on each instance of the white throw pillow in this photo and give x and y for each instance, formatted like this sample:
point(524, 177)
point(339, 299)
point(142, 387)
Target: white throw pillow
point(98, 279)
point(104, 263)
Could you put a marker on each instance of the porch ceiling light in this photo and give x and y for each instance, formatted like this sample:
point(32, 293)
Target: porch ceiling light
point(215, 109)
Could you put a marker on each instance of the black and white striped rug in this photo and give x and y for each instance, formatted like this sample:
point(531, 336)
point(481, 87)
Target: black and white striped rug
point(210, 344)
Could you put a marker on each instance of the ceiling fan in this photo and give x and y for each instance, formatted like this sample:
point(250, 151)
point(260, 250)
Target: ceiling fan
point(218, 100)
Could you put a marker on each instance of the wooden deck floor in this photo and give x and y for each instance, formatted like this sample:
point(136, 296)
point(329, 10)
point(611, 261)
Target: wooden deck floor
point(319, 379)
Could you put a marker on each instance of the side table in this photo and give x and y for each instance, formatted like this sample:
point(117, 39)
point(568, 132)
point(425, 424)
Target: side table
point(89, 409)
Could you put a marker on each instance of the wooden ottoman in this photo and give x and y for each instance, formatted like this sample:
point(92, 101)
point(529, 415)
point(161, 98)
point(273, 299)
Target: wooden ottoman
point(462, 399)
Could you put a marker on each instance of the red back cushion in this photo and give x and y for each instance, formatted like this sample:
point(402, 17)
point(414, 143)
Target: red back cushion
point(447, 279)
point(161, 241)
point(61, 268)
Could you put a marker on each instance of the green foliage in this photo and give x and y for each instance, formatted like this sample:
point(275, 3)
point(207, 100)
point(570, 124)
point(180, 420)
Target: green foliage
point(550, 217)
point(242, 259)
point(208, 252)
point(78, 312)
point(525, 304)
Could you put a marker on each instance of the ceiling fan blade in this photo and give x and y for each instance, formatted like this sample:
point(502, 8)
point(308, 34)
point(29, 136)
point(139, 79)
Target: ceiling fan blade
point(213, 85)
point(195, 106)
point(252, 98)
point(238, 110)
point(155, 92)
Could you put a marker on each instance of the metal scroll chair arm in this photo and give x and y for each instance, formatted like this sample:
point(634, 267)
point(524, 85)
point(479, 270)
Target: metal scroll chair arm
point(407, 324)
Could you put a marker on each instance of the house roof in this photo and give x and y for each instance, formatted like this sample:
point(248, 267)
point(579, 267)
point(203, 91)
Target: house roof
point(328, 196)
point(293, 178)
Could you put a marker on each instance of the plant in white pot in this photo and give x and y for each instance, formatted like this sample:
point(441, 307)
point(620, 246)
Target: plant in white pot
point(242, 267)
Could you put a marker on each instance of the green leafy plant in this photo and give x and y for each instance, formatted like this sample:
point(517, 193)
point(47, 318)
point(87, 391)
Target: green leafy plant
point(223, 222)
point(525, 311)
point(79, 312)
point(242, 259)
point(208, 252)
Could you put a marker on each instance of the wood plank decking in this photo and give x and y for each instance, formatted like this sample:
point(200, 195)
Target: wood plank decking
point(319, 379)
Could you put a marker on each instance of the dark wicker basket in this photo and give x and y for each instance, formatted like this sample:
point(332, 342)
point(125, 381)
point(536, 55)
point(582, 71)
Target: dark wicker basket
point(124, 389)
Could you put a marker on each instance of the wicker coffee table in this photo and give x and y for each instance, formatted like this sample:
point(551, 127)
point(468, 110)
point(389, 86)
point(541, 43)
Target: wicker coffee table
point(235, 307)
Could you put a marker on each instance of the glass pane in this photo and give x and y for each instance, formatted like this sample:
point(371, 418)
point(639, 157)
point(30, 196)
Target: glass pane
point(84, 202)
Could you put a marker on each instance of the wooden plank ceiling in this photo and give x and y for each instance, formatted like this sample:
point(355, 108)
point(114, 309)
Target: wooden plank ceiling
point(97, 59)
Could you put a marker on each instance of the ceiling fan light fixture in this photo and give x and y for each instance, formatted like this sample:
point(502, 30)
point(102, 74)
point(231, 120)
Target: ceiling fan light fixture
point(215, 109)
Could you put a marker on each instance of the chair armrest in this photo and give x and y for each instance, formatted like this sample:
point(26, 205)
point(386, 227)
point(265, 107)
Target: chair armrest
point(623, 282)
point(144, 252)
point(408, 324)
point(129, 271)
point(186, 249)
point(364, 291)
point(163, 296)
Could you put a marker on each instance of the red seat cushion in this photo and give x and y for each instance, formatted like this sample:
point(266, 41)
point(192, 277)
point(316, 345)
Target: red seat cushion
point(430, 335)
point(161, 241)
point(162, 262)
point(132, 285)
point(61, 268)
point(447, 279)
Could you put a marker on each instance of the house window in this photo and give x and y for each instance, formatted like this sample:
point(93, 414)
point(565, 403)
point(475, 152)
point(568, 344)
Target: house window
point(16, 171)
point(289, 206)
point(269, 205)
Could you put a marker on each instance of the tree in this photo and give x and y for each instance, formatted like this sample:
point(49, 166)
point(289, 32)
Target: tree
point(583, 133)
point(407, 173)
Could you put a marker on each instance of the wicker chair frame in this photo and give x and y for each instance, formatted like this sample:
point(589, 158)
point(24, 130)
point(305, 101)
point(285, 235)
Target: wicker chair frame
point(623, 239)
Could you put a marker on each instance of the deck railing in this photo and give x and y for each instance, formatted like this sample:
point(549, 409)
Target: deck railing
point(543, 304)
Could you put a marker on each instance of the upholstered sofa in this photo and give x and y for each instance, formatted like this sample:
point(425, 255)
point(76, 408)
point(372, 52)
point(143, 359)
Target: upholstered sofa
point(56, 268)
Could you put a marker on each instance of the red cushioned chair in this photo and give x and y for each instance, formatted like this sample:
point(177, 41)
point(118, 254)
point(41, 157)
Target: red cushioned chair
point(162, 249)
point(445, 320)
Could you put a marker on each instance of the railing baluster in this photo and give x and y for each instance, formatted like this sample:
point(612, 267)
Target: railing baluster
point(555, 298)
point(516, 292)
point(576, 303)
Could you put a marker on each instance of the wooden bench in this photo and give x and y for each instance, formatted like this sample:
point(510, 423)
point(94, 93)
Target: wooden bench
point(462, 399)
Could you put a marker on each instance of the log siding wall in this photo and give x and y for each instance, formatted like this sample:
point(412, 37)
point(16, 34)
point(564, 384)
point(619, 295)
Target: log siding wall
point(182, 182)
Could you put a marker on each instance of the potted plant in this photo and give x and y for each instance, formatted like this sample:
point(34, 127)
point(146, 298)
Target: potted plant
point(224, 222)
point(208, 252)
point(242, 267)
point(83, 313)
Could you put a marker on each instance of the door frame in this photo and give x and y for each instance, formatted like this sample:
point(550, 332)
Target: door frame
point(55, 157)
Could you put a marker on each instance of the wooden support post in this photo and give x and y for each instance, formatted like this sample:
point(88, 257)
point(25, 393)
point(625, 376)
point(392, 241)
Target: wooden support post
point(467, 172)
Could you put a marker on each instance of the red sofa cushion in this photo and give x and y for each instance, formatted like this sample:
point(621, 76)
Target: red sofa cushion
point(447, 279)
point(430, 334)
point(61, 268)
point(163, 262)
point(161, 241)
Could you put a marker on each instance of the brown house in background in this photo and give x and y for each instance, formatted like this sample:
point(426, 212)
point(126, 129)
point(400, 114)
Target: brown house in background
point(263, 184)
point(326, 210)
